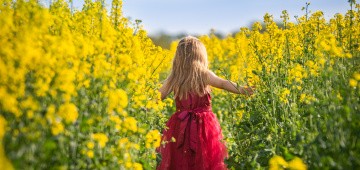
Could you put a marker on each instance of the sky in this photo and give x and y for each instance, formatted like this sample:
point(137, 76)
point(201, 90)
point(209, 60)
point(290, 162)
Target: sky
point(224, 16)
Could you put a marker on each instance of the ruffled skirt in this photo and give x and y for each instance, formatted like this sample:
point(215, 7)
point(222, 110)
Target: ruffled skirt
point(193, 142)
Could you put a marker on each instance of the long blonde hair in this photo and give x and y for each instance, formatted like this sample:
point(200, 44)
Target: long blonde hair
point(189, 69)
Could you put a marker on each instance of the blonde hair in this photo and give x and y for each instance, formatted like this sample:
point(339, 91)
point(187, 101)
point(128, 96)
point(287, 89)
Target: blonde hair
point(189, 69)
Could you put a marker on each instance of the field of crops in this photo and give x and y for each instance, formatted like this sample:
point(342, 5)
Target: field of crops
point(79, 90)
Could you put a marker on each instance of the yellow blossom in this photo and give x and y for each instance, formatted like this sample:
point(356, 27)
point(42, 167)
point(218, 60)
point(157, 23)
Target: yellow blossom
point(57, 128)
point(90, 153)
point(136, 146)
point(2, 127)
point(357, 76)
point(5, 162)
point(307, 99)
point(90, 145)
point(123, 142)
point(353, 82)
point(137, 166)
point(128, 164)
point(339, 96)
point(50, 114)
point(297, 164)
point(68, 112)
point(130, 123)
point(152, 139)
point(101, 138)
point(117, 100)
point(277, 162)
point(284, 95)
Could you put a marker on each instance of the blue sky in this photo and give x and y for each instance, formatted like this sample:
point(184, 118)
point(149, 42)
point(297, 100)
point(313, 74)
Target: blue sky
point(226, 16)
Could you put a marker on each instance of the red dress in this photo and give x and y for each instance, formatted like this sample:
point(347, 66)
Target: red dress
point(197, 134)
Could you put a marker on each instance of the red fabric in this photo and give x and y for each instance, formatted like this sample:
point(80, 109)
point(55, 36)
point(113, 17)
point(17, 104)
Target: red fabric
point(198, 137)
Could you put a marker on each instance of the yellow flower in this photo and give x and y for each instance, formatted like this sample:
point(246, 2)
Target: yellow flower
point(64, 82)
point(304, 98)
point(5, 163)
point(118, 100)
point(30, 114)
point(137, 166)
point(116, 119)
point(90, 121)
point(240, 114)
point(313, 68)
point(57, 128)
point(297, 164)
point(296, 74)
point(90, 153)
point(9, 102)
point(152, 139)
point(117, 127)
point(101, 138)
point(136, 146)
point(286, 92)
point(124, 143)
point(284, 95)
point(353, 82)
point(128, 164)
point(90, 145)
point(2, 127)
point(357, 76)
point(277, 162)
point(339, 96)
point(68, 112)
point(30, 104)
point(130, 123)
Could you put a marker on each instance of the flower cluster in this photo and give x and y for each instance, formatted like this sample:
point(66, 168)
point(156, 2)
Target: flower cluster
point(278, 163)
point(77, 81)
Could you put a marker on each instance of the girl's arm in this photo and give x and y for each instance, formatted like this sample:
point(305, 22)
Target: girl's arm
point(163, 90)
point(230, 86)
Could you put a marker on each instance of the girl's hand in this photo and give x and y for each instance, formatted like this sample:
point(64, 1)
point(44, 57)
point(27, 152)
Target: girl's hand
point(249, 90)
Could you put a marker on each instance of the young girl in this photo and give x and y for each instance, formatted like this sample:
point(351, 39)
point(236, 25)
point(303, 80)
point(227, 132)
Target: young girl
point(194, 126)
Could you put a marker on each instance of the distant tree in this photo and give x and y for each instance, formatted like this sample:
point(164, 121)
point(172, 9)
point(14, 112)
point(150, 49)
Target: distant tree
point(164, 39)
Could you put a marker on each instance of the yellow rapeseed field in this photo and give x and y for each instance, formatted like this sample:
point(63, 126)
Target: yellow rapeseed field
point(79, 90)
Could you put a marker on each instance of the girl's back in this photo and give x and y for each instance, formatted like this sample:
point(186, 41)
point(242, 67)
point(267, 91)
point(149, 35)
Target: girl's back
point(195, 128)
point(193, 101)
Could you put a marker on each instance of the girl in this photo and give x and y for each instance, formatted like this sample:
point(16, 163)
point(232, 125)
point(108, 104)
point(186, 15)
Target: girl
point(194, 127)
